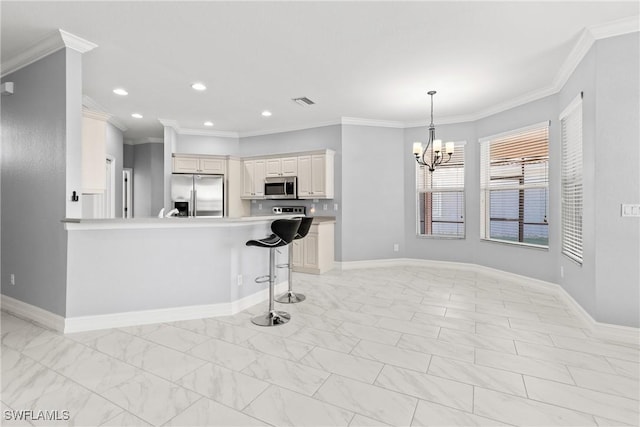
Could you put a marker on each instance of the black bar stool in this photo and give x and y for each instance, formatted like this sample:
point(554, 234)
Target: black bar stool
point(289, 297)
point(284, 230)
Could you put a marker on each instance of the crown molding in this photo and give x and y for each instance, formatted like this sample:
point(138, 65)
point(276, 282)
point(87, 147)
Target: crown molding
point(94, 106)
point(627, 25)
point(98, 115)
point(147, 140)
point(586, 40)
point(76, 43)
point(204, 132)
point(371, 122)
point(52, 43)
point(169, 123)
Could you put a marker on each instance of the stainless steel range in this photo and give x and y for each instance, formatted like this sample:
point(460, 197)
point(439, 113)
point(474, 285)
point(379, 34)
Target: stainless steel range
point(289, 210)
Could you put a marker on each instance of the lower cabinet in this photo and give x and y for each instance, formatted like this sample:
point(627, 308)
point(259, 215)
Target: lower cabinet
point(315, 253)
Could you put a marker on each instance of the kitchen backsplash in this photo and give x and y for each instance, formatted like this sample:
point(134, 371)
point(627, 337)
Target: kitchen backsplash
point(322, 207)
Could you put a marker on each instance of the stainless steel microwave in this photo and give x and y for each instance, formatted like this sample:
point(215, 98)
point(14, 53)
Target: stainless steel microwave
point(281, 188)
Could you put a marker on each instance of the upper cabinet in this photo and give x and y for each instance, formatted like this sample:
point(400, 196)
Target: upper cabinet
point(198, 164)
point(253, 178)
point(313, 169)
point(285, 166)
point(315, 176)
point(94, 152)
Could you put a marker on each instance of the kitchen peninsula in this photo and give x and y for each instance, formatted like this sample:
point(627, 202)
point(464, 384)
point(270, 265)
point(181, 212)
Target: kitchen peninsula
point(134, 271)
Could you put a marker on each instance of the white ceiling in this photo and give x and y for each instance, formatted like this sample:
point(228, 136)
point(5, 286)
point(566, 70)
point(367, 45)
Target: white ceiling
point(371, 60)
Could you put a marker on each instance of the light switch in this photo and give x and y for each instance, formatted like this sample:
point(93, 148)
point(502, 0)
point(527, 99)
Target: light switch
point(630, 210)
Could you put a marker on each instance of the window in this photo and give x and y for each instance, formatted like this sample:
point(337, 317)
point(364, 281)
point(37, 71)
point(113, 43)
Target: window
point(571, 184)
point(440, 197)
point(515, 186)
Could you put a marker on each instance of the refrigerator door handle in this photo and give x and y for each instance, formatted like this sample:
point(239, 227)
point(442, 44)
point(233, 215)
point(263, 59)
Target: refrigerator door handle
point(194, 195)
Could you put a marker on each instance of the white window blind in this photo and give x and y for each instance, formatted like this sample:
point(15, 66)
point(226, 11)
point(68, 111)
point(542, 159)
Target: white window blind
point(571, 186)
point(440, 197)
point(514, 186)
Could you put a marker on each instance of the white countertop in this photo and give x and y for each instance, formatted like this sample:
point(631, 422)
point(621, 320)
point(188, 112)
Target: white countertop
point(173, 222)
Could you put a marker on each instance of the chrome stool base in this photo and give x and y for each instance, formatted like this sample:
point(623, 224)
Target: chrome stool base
point(290, 298)
point(272, 318)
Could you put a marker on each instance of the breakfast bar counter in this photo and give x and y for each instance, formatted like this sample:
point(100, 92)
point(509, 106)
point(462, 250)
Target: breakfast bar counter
point(133, 271)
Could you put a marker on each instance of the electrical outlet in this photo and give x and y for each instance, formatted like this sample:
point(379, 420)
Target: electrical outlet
point(630, 210)
point(396, 247)
point(335, 206)
point(260, 206)
point(324, 207)
point(13, 279)
point(239, 279)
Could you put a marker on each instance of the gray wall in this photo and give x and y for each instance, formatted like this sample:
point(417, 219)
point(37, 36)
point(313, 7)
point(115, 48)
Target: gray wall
point(580, 280)
point(148, 179)
point(460, 250)
point(372, 192)
point(607, 285)
point(214, 145)
point(617, 179)
point(128, 153)
point(34, 130)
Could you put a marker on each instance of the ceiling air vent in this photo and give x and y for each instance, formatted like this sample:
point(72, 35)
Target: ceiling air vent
point(304, 101)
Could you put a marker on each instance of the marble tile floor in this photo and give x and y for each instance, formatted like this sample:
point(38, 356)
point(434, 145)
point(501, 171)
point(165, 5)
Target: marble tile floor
point(387, 346)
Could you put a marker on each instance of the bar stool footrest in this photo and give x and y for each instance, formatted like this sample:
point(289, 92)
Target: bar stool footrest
point(262, 279)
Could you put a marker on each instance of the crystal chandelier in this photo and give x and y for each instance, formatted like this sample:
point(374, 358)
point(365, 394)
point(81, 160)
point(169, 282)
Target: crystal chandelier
point(437, 156)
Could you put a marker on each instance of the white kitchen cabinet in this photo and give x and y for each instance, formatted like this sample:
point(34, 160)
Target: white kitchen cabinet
point(289, 166)
point(253, 179)
point(211, 166)
point(315, 253)
point(94, 152)
point(197, 164)
point(315, 176)
point(286, 166)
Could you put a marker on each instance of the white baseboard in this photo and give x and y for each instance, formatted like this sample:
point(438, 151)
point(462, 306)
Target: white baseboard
point(626, 333)
point(32, 313)
point(133, 318)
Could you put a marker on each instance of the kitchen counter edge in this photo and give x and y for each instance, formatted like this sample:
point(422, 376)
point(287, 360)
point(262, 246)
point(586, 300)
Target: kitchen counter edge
point(141, 223)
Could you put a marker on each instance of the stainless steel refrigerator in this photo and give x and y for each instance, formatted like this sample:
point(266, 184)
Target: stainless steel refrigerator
point(198, 195)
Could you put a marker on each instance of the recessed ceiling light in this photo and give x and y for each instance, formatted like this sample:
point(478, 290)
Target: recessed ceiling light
point(199, 86)
point(266, 113)
point(208, 123)
point(120, 91)
point(136, 115)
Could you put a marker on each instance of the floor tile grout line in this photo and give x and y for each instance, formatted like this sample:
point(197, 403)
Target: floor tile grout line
point(575, 385)
point(574, 410)
point(75, 382)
